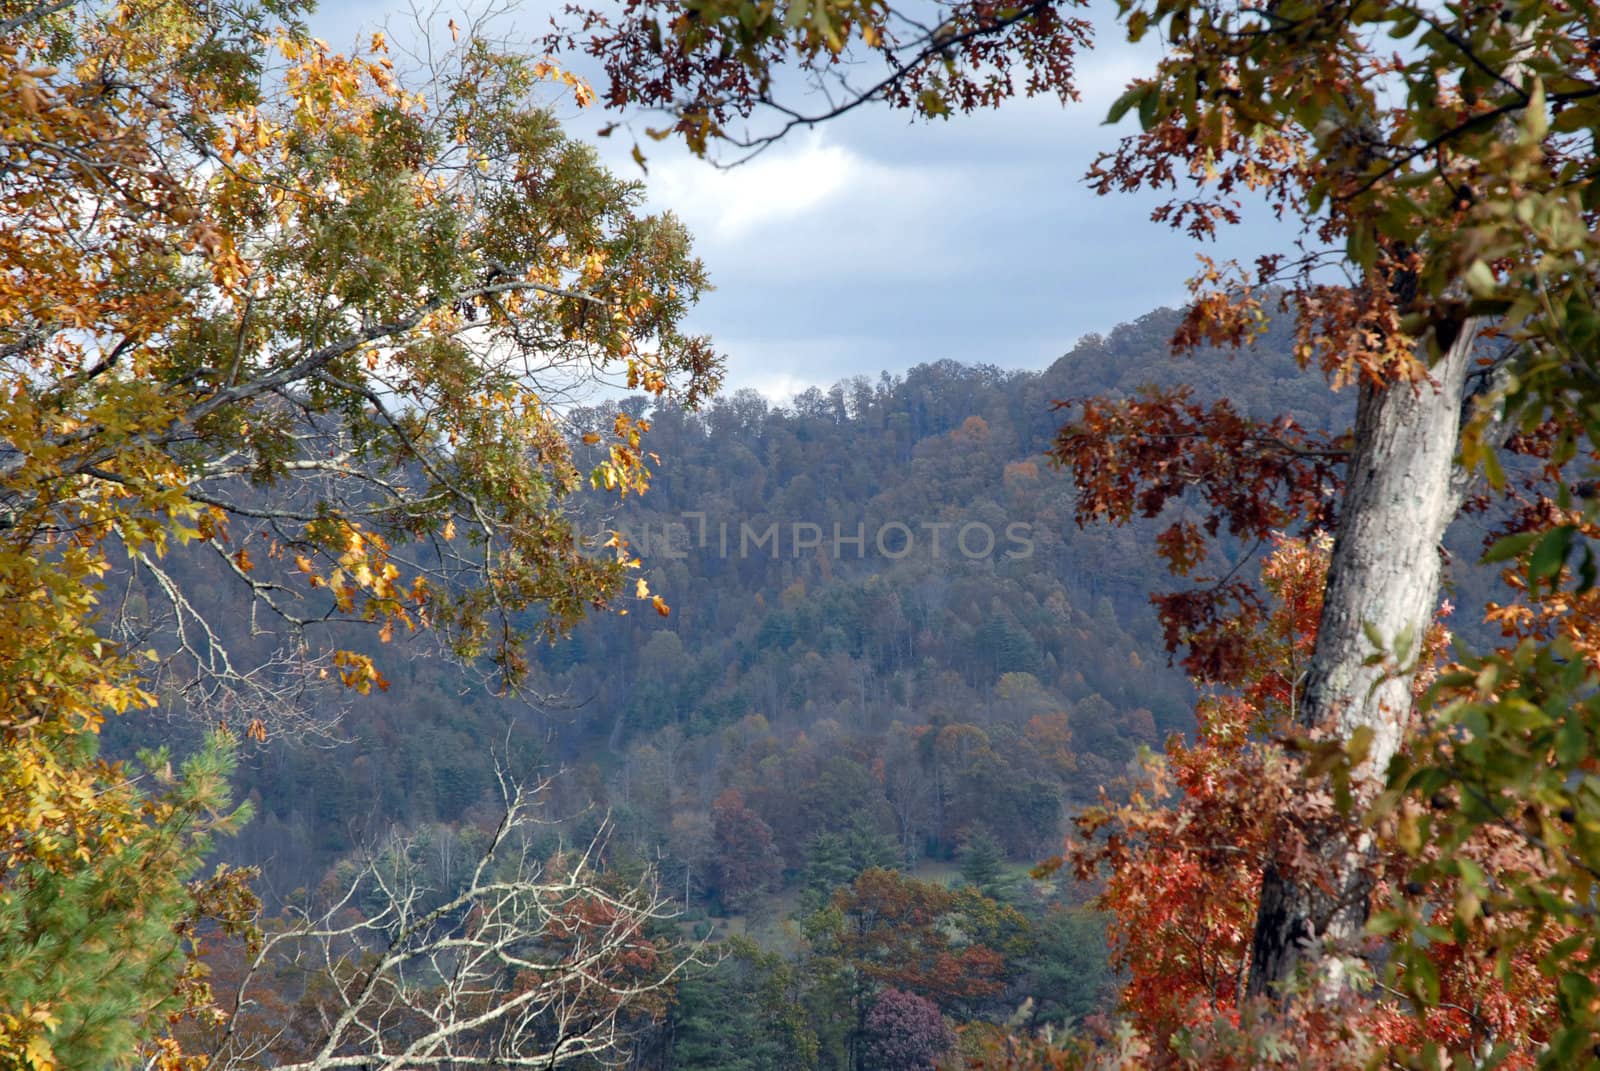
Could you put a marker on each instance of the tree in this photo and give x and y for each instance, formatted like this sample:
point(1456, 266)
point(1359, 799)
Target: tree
point(1440, 157)
point(529, 963)
point(100, 950)
point(744, 1013)
point(905, 1032)
point(954, 948)
point(1068, 973)
point(1180, 880)
point(1182, 859)
point(983, 861)
point(835, 859)
point(287, 324)
point(1420, 197)
point(747, 862)
point(471, 268)
point(721, 68)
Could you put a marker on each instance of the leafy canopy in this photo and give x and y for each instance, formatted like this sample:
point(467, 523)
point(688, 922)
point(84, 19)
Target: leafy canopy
point(313, 321)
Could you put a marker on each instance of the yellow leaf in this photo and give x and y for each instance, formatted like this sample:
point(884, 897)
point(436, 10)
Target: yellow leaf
point(39, 1055)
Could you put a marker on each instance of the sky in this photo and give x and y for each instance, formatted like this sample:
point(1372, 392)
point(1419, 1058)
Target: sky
point(876, 242)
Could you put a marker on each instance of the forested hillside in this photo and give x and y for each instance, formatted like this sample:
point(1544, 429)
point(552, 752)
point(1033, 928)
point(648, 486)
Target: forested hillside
point(371, 695)
point(813, 707)
point(808, 680)
point(885, 644)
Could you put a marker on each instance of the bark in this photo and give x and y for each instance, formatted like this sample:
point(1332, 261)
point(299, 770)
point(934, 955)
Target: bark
point(1402, 490)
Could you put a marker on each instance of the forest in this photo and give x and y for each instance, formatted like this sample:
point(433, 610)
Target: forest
point(800, 720)
point(413, 656)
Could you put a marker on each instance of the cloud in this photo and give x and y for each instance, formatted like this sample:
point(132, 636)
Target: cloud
point(779, 387)
point(733, 205)
point(811, 214)
point(877, 241)
point(782, 363)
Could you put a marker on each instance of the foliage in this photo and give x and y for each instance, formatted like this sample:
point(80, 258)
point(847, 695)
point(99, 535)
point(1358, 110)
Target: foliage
point(1440, 156)
point(1068, 972)
point(744, 1015)
point(470, 264)
point(837, 859)
point(983, 862)
point(96, 942)
point(1254, 477)
point(953, 947)
point(709, 63)
point(746, 861)
point(905, 1032)
point(826, 764)
point(1495, 809)
point(1441, 172)
point(282, 315)
point(825, 753)
point(1182, 882)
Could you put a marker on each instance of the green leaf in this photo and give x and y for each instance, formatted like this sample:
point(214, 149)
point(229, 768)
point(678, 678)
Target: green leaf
point(1535, 120)
point(1384, 923)
point(1404, 641)
point(1149, 109)
point(1361, 247)
point(1519, 715)
point(1511, 546)
point(1550, 554)
point(1577, 989)
point(1132, 96)
point(1480, 279)
point(1572, 742)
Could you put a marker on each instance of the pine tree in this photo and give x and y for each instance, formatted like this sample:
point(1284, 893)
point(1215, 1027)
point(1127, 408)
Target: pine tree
point(983, 862)
point(94, 953)
point(837, 859)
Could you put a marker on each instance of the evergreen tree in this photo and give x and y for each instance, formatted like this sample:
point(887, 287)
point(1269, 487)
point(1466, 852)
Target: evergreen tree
point(837, 859)
point(983, 862)
point(95, 951)
point(744, 1014)
point(867, 847)
point(827, 867)
point(1068, 973)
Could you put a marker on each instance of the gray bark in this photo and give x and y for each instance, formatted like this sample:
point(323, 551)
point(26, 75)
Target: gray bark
point(1402, 490)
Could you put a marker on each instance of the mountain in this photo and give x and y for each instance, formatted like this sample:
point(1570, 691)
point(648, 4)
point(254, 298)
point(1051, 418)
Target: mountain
point(879, 604)
point(870, 655)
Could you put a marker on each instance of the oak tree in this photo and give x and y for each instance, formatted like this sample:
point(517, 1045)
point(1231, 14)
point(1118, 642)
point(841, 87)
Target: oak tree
point(305, 322)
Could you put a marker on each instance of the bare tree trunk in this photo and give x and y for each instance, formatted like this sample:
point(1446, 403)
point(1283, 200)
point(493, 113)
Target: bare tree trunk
point(1401, 493)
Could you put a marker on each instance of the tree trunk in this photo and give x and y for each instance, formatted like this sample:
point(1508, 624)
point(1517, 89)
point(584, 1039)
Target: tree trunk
point(1401, 492)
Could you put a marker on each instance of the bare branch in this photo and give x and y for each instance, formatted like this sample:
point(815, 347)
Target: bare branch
point(529, 963)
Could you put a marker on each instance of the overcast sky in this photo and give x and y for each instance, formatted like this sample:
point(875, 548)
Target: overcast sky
point(877, 243)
